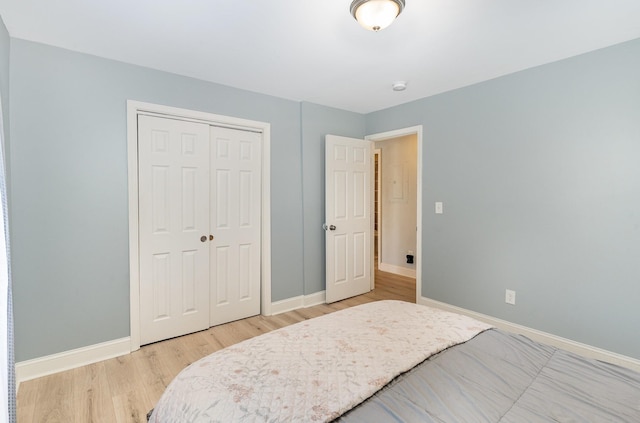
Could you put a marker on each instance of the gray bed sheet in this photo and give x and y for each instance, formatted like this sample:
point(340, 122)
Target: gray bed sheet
point(501, 377)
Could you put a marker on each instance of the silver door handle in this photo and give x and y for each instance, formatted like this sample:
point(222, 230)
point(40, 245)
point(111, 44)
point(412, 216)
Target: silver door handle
point(330, 227)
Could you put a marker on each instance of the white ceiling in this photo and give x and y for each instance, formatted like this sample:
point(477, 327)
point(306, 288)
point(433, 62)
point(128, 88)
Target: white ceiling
point(313, 50)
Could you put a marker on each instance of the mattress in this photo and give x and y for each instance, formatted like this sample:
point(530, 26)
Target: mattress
point(392, 361)
point(315, 370)
point(502, 377)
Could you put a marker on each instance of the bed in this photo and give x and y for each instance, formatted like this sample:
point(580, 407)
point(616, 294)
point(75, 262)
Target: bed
point(401, 362)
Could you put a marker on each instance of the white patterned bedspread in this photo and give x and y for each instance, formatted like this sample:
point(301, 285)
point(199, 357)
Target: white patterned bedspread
point(314, 370)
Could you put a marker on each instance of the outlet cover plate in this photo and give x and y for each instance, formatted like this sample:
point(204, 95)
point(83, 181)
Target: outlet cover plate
point(510, 297)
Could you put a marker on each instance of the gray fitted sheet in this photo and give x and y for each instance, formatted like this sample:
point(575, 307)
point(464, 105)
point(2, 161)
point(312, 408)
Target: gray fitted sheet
point(501, 377)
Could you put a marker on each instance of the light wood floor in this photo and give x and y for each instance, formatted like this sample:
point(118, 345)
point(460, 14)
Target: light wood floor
point(124, 389)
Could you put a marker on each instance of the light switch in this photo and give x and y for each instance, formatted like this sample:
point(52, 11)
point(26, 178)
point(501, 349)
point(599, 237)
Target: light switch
point(439, 209)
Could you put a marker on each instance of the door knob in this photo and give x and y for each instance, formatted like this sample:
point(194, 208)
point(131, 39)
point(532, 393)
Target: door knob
point(332, 227)
point(210, 237)
point(203, 238)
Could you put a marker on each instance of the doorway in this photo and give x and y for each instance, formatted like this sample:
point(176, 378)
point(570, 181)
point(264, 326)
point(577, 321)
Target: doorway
point(398, 199)
point(395, 213)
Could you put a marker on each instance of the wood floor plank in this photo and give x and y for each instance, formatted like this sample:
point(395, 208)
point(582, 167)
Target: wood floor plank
point(129, 409)
point(27, 399)
point(54, 401)
point(91, 394)
point(154, 378)
point(124, 389)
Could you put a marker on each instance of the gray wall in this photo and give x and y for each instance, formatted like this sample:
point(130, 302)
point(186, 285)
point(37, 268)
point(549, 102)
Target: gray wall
point(539, 172)
point(318, 121)
point(69, 189)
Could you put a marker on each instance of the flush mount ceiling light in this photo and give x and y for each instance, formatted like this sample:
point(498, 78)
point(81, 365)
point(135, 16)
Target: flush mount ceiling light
point(375, 15)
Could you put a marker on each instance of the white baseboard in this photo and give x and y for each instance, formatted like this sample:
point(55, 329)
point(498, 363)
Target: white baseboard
point(543, 337)
point(43, 366)
point(398, 270)
point(301, 301)
point(315, 299)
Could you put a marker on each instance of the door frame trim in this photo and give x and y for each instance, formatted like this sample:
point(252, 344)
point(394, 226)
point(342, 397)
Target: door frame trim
point(135, 108)
point(417, 131)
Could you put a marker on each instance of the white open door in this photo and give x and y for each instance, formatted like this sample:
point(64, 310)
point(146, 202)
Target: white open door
point(348, 165)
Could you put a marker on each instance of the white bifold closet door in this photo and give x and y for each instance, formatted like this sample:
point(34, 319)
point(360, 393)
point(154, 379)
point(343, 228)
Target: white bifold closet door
point(199, 222)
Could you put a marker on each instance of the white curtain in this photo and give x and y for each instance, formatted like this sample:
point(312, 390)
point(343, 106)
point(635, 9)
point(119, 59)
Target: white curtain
point(7, 362)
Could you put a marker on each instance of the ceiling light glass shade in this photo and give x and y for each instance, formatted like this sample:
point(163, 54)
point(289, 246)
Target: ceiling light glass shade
point(375, 15)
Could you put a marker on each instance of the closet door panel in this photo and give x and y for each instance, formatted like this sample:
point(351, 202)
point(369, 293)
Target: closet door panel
point(236, 223)
point(173, 167)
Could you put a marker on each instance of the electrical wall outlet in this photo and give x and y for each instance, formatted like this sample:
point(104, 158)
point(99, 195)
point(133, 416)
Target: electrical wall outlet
point(510, 297)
